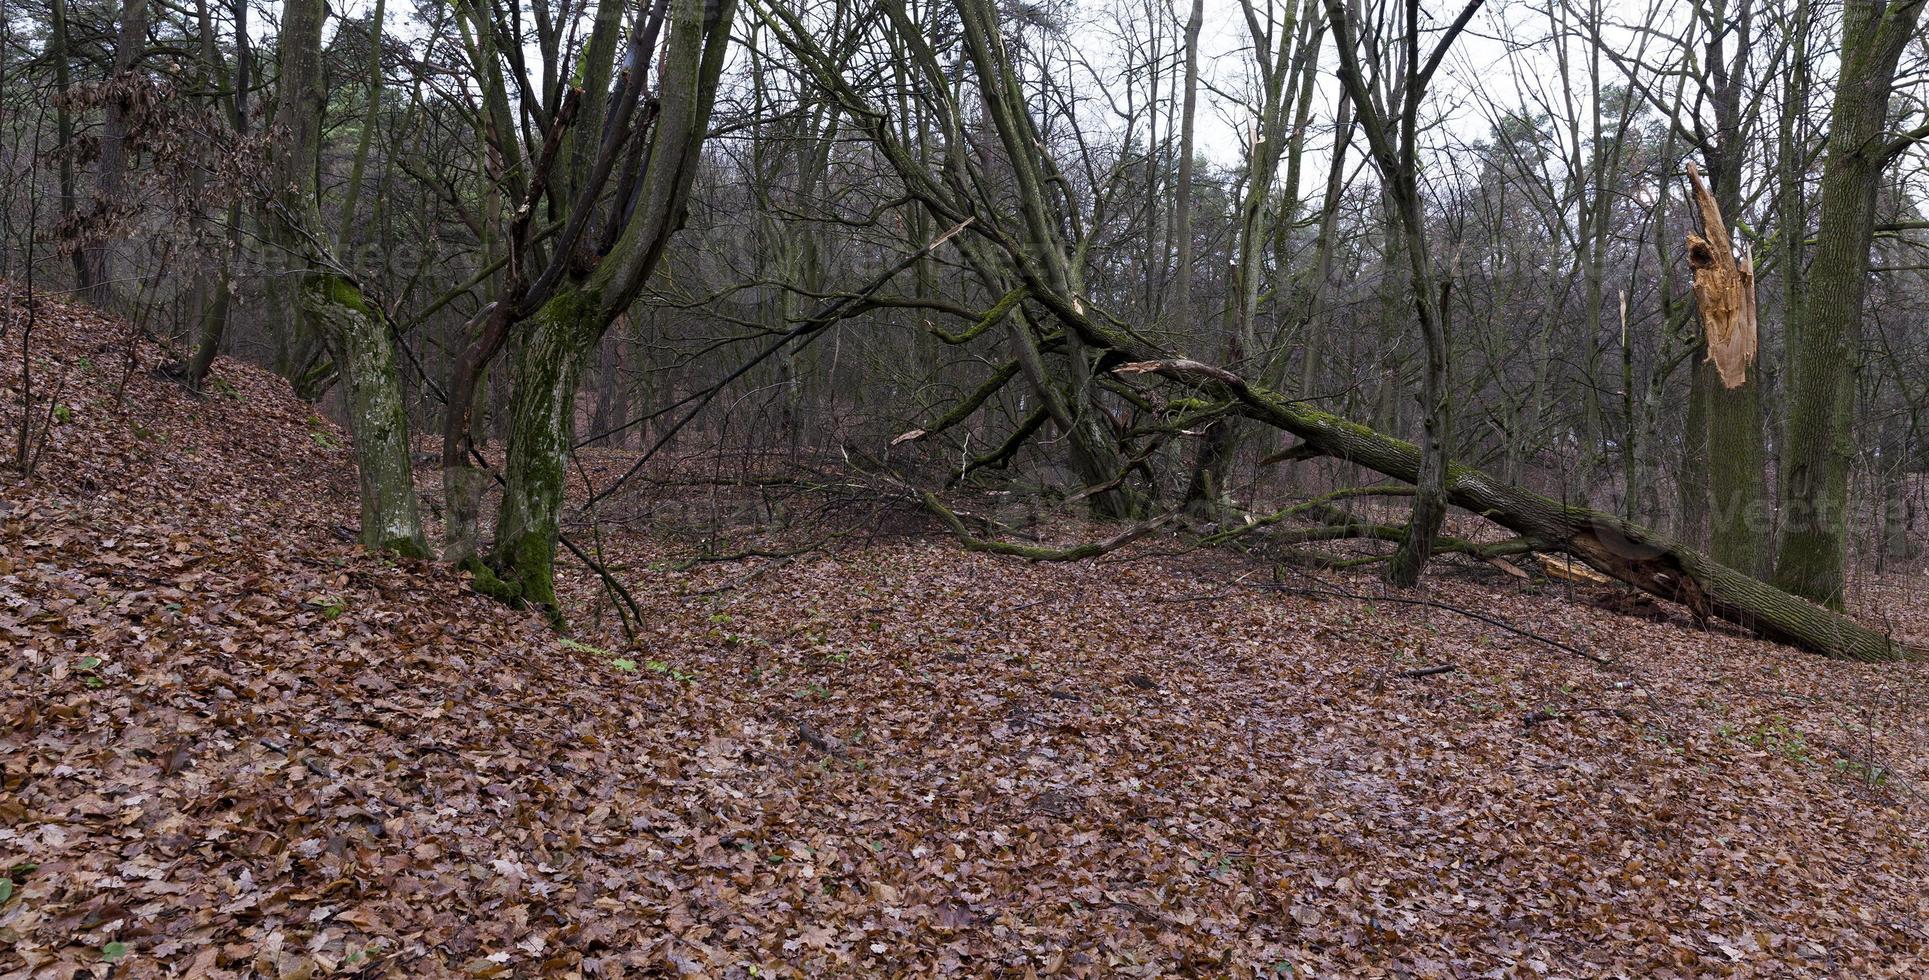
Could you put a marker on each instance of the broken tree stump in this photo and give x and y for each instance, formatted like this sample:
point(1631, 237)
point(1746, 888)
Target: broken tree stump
point(1724, 289)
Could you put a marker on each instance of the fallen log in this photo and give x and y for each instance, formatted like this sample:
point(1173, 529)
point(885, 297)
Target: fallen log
point(1036, 553)
point(1641, 557)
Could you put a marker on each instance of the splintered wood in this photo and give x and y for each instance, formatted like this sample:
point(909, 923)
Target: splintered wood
point(1724, 290)
point(1567, 569)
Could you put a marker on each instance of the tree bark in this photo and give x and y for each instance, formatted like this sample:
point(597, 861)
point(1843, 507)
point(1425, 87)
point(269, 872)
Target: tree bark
point(1092, 450)
point(1724, 290)
point(581, 308)
point(97, 286)
point(1182, 203)
point(211, 326)
point(1898, 542)
point(1625, 551)
point(61, 51)
point(1737, 509)
point(361, 339)
point(331, 306)
point(1823, 345)
point(541, 430)
point(1276, 46)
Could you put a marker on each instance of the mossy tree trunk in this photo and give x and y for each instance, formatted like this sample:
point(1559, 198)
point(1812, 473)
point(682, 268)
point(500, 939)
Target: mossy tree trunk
point(330, 307)
point(542, 412)
point(1050, 254)
point(1279, 51)
point(1691, 518)
point(577, 307)
point(1728, 482)
point(1737, 502)
point(1824, 344)
point(1626, 551)
point(362, 342)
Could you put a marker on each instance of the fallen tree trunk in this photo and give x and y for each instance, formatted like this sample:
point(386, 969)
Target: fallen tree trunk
point(1038, 553)
point(1039, 258)
point(1625, 551)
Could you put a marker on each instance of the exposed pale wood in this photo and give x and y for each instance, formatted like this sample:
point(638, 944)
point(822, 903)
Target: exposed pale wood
point(1724, 289)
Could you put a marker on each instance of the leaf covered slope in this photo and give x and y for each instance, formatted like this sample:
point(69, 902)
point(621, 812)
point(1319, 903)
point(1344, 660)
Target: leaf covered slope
point(234, 745)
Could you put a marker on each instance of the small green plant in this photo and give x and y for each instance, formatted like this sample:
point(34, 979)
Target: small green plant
point(674, 673)
point(1868, 772)
point(331, 607)
point(1221, 862)
point(113, 952)
point(1776, 736)
point(225, 389)
point(319, 431)
point(63, 414)
point(624, 664)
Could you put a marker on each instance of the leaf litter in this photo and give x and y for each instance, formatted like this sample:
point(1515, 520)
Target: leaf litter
point(234, 745)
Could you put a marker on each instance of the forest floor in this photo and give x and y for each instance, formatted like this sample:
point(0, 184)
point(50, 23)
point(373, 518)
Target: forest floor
point(234, 744)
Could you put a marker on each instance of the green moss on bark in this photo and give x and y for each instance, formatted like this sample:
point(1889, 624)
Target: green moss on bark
point(363, 347)
point(542, 427)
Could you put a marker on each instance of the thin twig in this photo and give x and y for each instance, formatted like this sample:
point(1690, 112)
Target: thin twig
point(1334, 591)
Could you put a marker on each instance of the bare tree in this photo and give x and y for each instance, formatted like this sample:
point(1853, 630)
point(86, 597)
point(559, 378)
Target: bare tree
point(1388, 109)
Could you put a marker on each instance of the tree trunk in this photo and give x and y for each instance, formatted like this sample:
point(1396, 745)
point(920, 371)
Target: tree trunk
point(580, 308)
point(1093, 450)
point(462, 480)
point(1691, 522)
point(60, 50)
point(541, 432)
point(1392, 133)
point(1182, 204)
point(362, 342)
point(1724, 290)
point(1630, 553)
point(1898, 542)
point(212, 325)
point(97, 287)
point(1823, 345)
point(1739, 525)
point(1274, 47)
point(355, 332)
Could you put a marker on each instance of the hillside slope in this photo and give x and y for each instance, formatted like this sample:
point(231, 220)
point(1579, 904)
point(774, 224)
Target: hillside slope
point(234, 745)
